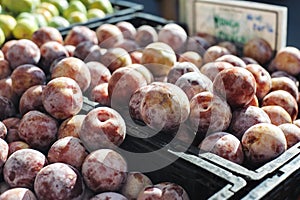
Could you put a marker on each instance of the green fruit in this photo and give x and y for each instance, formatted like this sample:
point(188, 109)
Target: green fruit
point(7, 24)
point(40, 20)
point(2, 37)
point(104, 5)
point(46, 13)
point(18, 6)
point(74, 6)
point(24, 29)
point(77, 17)
point(59, 22)
point(25, 15)
point(61, 5)
point(51, 7)
point(95, 13)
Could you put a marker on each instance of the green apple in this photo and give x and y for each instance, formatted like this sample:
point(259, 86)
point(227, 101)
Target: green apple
point(7, 24)
point(59, 22)
point(77, 17)
point(24, 29)
point(95, 13)
point(18, 6)
point(2, 37)
point(74, 6)
point(61, 5)
point(104, 5)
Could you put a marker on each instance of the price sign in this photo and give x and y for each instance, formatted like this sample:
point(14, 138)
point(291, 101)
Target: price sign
point(238, 21)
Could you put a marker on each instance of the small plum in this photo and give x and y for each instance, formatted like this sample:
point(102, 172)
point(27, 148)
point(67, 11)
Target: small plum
point(232, 59)
point(108, 35)
point(179, 69)
point(287, 84)
point(59, 181)
point(99, 73)
point(12, 125)
point(128, 45)
point(103, 127)
point(46, 34)
point(24, 51)
point(224, 145)
point(100, 95)
point(3, 130)
point(263, 142)
point(17, 145)
point(127, 29)
point(197, 44)
point(38, 130)
point(3, 153)
point(6, 90)
point(18, 193)
point(5, 69)
point(237, 85)
point(193, 57)
point(211, 69)
point(7, 45)
point(291, 132)
point(62, 98)
point(214, 52)
point(232, 48)
point(279, 73)
point(277, 114)
point(79, 34)
point(145, 35)
point(104, 170)
point(109, 195)
point(73, 68)
point(84, 48)
point(7, 108)
point(22, 166)
point(70, 126)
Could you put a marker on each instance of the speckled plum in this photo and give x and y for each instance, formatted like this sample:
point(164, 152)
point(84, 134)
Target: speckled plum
point(262, 143)
point(99, 73)
point(144, 71)
point(211, 69)
point(197, 44)
point(3, 130)
point(287, 84)
point(4, 148)
point(193, 83)
point(263, 79)
point(237, 85)
point(232, 59)
point(291, 132)
point(24, 51)
point(31, 99)
point(22, 166)
point(224, 145)
point(109, 195)
point(103, 127)
point(38, 129)
point(135, 183)
point(25, 76)
point(244, 118)
point(127, 29)
point(79, 34)
point(209, 113)
point(277, 114)
point(284, 99)
point(70, 126)
point(7, 108)
point(59, 181)
point(62, 98)
point(64, 149)
point(191, 56)
point(18, 193)
point(17, 145)
point(104, 170)
point(12, 125)
point(214, 52)
point(159, 58)
point(46, 34)
point(84, 48)
point(128, 45)
point(100, 95)
point(73, 68)
point(5, 69)
point(145, 35)
point(108, 35)
point(179, 69)
point(232, 48)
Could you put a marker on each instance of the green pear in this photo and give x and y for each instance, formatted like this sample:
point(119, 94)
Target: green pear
point(95, 13)
point(77, 17)
point(7, 24)
point(18, 6)
point(59, 22)
point(24, 29)
point(104, 5)
point(74, 6)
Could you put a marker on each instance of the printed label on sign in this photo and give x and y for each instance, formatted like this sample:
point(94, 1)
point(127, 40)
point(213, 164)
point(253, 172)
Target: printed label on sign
point(239, 21)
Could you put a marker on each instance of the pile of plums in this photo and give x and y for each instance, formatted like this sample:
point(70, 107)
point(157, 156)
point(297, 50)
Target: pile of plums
point(242, 106)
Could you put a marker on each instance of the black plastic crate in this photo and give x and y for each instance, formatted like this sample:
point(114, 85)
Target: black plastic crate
point(121, 8)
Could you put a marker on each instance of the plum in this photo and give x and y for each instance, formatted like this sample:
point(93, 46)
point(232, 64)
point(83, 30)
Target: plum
point(277, 114)
point(17, 145)
point(59, 181)
point(100, 95)
point(193, 83)
point(3, 153)
point(197, 44)
point(22, 166)
point(136, 56)
point(128, 45)
point(291, 132)
point(279, 73)
point(287, 59)
point(6, 90)
point(263, 79)
point(3, 130)
point(244, 118)
point(99, 73)
point(73, 68)
point(144, 71)
point(127, 29)
point(163, 190)
point(18, 193)
point(103, 127)
point(46, 34)
point(109, 195)
point(179, 69)
point(7, 45)
point(12, 125)
point(31, 99)
point(214, 52)
point(173, 35)
point(24, 51)
point(232, 59)
point(211, 69)
point(284, 99)
point(38, 129)
point(70, 49)
point(237, 85)
point(62, 98)
point(232, 48)
point(135, 182)
point(26, 76)
point(70, 126)
point(108, 35)
point(104, 170)
point(224, 145)
point(159, 58)
point(191, 56)
point(84, 48)
point(116, 58)
point(209, 113)
point(145, 35)
point(79, 34)
point(64, 149)
point(259, 49)
point(7, 108)
point(5, 69)
point(287, 84)
point(263, 142)
point(122, 84)
point(249, 60)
